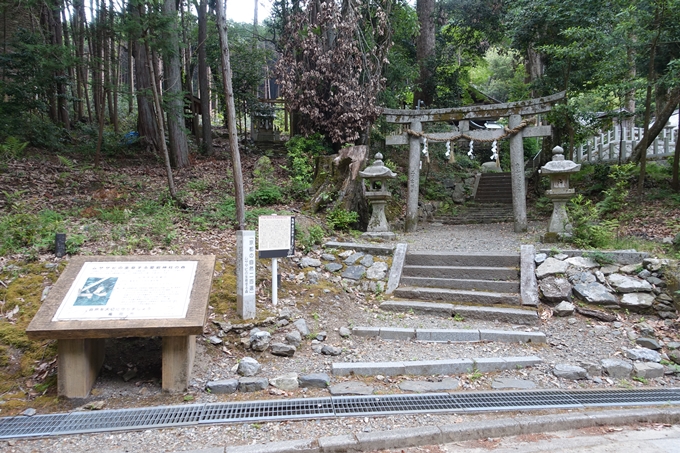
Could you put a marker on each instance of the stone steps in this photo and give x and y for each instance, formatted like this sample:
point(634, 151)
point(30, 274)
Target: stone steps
point(500, 314)
point(494, 188)
point(450, 335)
point(462, 259)
point(455, 295)
point(464, 284)
point(433, 367)
point(462, 272)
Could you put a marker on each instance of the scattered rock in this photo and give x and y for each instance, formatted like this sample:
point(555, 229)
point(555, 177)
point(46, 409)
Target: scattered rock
point(593, 369)
point(540, 258)
point(637, 301)
point(551, 266)
point(648, 370)
point(625, 284)
point(331, 350)
point(602, 316)
point(130, 374)
point(581, 277)
point(223, 386)
point(315, 380)
point(252, 384)
point(609, 269)
point(367, 261)
point(378, 271)
point(631, 268)
point(259, 341)
point(595, 293)
point(248, 366)
point(309, 262)
point(564, 309)
point(351, 388)
point(321, 336)
point(283, 350)
point(294, 338)
point(674, 356)
point(354, 272)
point(333, 267)
point(328, 257)
point(353, 258)
point(571, 372)
point(649, 343)
point(555, 289)
point(30, 412)
point(215, 340)
point(301, 326)
point(643, 354)
point(288, 381)
point(616, 368)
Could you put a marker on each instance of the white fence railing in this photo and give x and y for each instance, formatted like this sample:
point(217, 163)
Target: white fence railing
point(607, 146)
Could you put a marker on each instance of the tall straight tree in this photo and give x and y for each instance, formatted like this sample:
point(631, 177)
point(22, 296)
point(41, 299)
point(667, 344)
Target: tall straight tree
point(174, 97)
point(146, 122)
point(231, 115)
point(425, 51)
point(203, 79)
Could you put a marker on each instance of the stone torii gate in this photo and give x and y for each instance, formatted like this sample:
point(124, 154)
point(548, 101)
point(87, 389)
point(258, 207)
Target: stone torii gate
point(517, 130)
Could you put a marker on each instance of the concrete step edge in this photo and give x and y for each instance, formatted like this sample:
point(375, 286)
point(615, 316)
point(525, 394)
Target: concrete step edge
point(488, 313)
point(450, 335)
point(433, 367)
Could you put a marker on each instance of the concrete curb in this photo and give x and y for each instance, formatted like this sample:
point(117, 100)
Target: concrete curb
point(432, 367)
point(381, 250)
point(528, 284)
point(398, 260)
point(434, 435)
point(450, 335)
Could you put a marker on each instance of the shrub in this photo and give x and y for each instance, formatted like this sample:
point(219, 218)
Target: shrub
point(309, 237)
point(302, 151)
point(266, 192)
point(341, 219)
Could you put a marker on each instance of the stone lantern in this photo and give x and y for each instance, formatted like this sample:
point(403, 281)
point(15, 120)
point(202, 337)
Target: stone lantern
point(559, 169)
point(377, 194)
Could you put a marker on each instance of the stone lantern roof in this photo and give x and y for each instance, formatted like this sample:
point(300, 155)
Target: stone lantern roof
point(377, 170)
point(558, 164)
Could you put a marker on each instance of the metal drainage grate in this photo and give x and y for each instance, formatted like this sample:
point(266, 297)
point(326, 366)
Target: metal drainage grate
point(124, 419)
point(393, 404)
point(343, 406)
point(495, 401)
point(268, 410)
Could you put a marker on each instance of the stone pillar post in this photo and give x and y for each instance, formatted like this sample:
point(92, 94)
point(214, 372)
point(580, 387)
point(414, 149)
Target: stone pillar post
point(519, 198)
point(411, 221)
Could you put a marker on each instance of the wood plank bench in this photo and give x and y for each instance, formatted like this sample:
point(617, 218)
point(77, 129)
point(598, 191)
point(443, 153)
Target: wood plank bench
point(81, 341)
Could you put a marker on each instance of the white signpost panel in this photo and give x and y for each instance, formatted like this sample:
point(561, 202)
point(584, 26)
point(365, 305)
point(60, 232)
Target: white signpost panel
point(276, 239)
point(245, 274)
point(129, 290)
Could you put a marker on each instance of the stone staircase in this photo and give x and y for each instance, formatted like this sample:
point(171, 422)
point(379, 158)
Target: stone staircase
point(494, 188)
point(479, 213)
point(473, 285)
point(484, 286)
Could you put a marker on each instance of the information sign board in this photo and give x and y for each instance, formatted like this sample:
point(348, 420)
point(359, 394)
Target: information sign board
point(129, 290)
point(276, 236)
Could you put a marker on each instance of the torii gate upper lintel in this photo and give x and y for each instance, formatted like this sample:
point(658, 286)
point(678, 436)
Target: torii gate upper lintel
point(513, 111)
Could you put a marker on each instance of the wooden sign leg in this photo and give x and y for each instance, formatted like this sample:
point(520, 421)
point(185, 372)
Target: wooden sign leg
point(79, 364)
point(178, 360)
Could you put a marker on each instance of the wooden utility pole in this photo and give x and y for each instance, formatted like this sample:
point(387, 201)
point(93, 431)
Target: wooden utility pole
point(231, 115)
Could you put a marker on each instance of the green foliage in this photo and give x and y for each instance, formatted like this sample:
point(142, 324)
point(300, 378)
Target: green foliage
point(589, 230)
point(12, 148)
point(266, 192)
point(341, 219)
point(302, 152)
point(307, 238)
point(615, 195)
point(223, 215)
point(600, 257)
point(29, 233)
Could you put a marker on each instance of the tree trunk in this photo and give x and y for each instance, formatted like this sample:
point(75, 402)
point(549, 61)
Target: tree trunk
point(174, 97)
point(425, 47)
point(659, 123)
point(204, 80)
point(676, 162)
point(629, 121)
point(231, 115)
point(147, 127)
point(534, 67)
point(161, 128)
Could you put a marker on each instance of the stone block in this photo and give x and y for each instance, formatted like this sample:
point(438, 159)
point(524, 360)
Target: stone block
point(648, 370)
point(447, 335)
point(512, 336)
point(399, 438)
point(366, 331)
point(514, 363)
point(397, 333)
point(368, 368)
point(434, 367)
point(489, 365)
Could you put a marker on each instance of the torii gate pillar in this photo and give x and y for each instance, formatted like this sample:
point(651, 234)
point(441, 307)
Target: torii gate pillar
point(519, 196)
point(411, 221)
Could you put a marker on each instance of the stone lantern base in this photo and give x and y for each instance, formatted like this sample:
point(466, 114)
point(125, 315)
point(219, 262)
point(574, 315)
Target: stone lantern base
point(379, 235)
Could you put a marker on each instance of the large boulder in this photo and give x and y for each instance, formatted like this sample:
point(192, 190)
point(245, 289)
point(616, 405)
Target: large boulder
point(551, 266)
point(595, 293)
point(555, 289)
point(625, 284)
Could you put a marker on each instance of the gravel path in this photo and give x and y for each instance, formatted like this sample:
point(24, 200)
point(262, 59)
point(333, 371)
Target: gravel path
point(574, 341)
